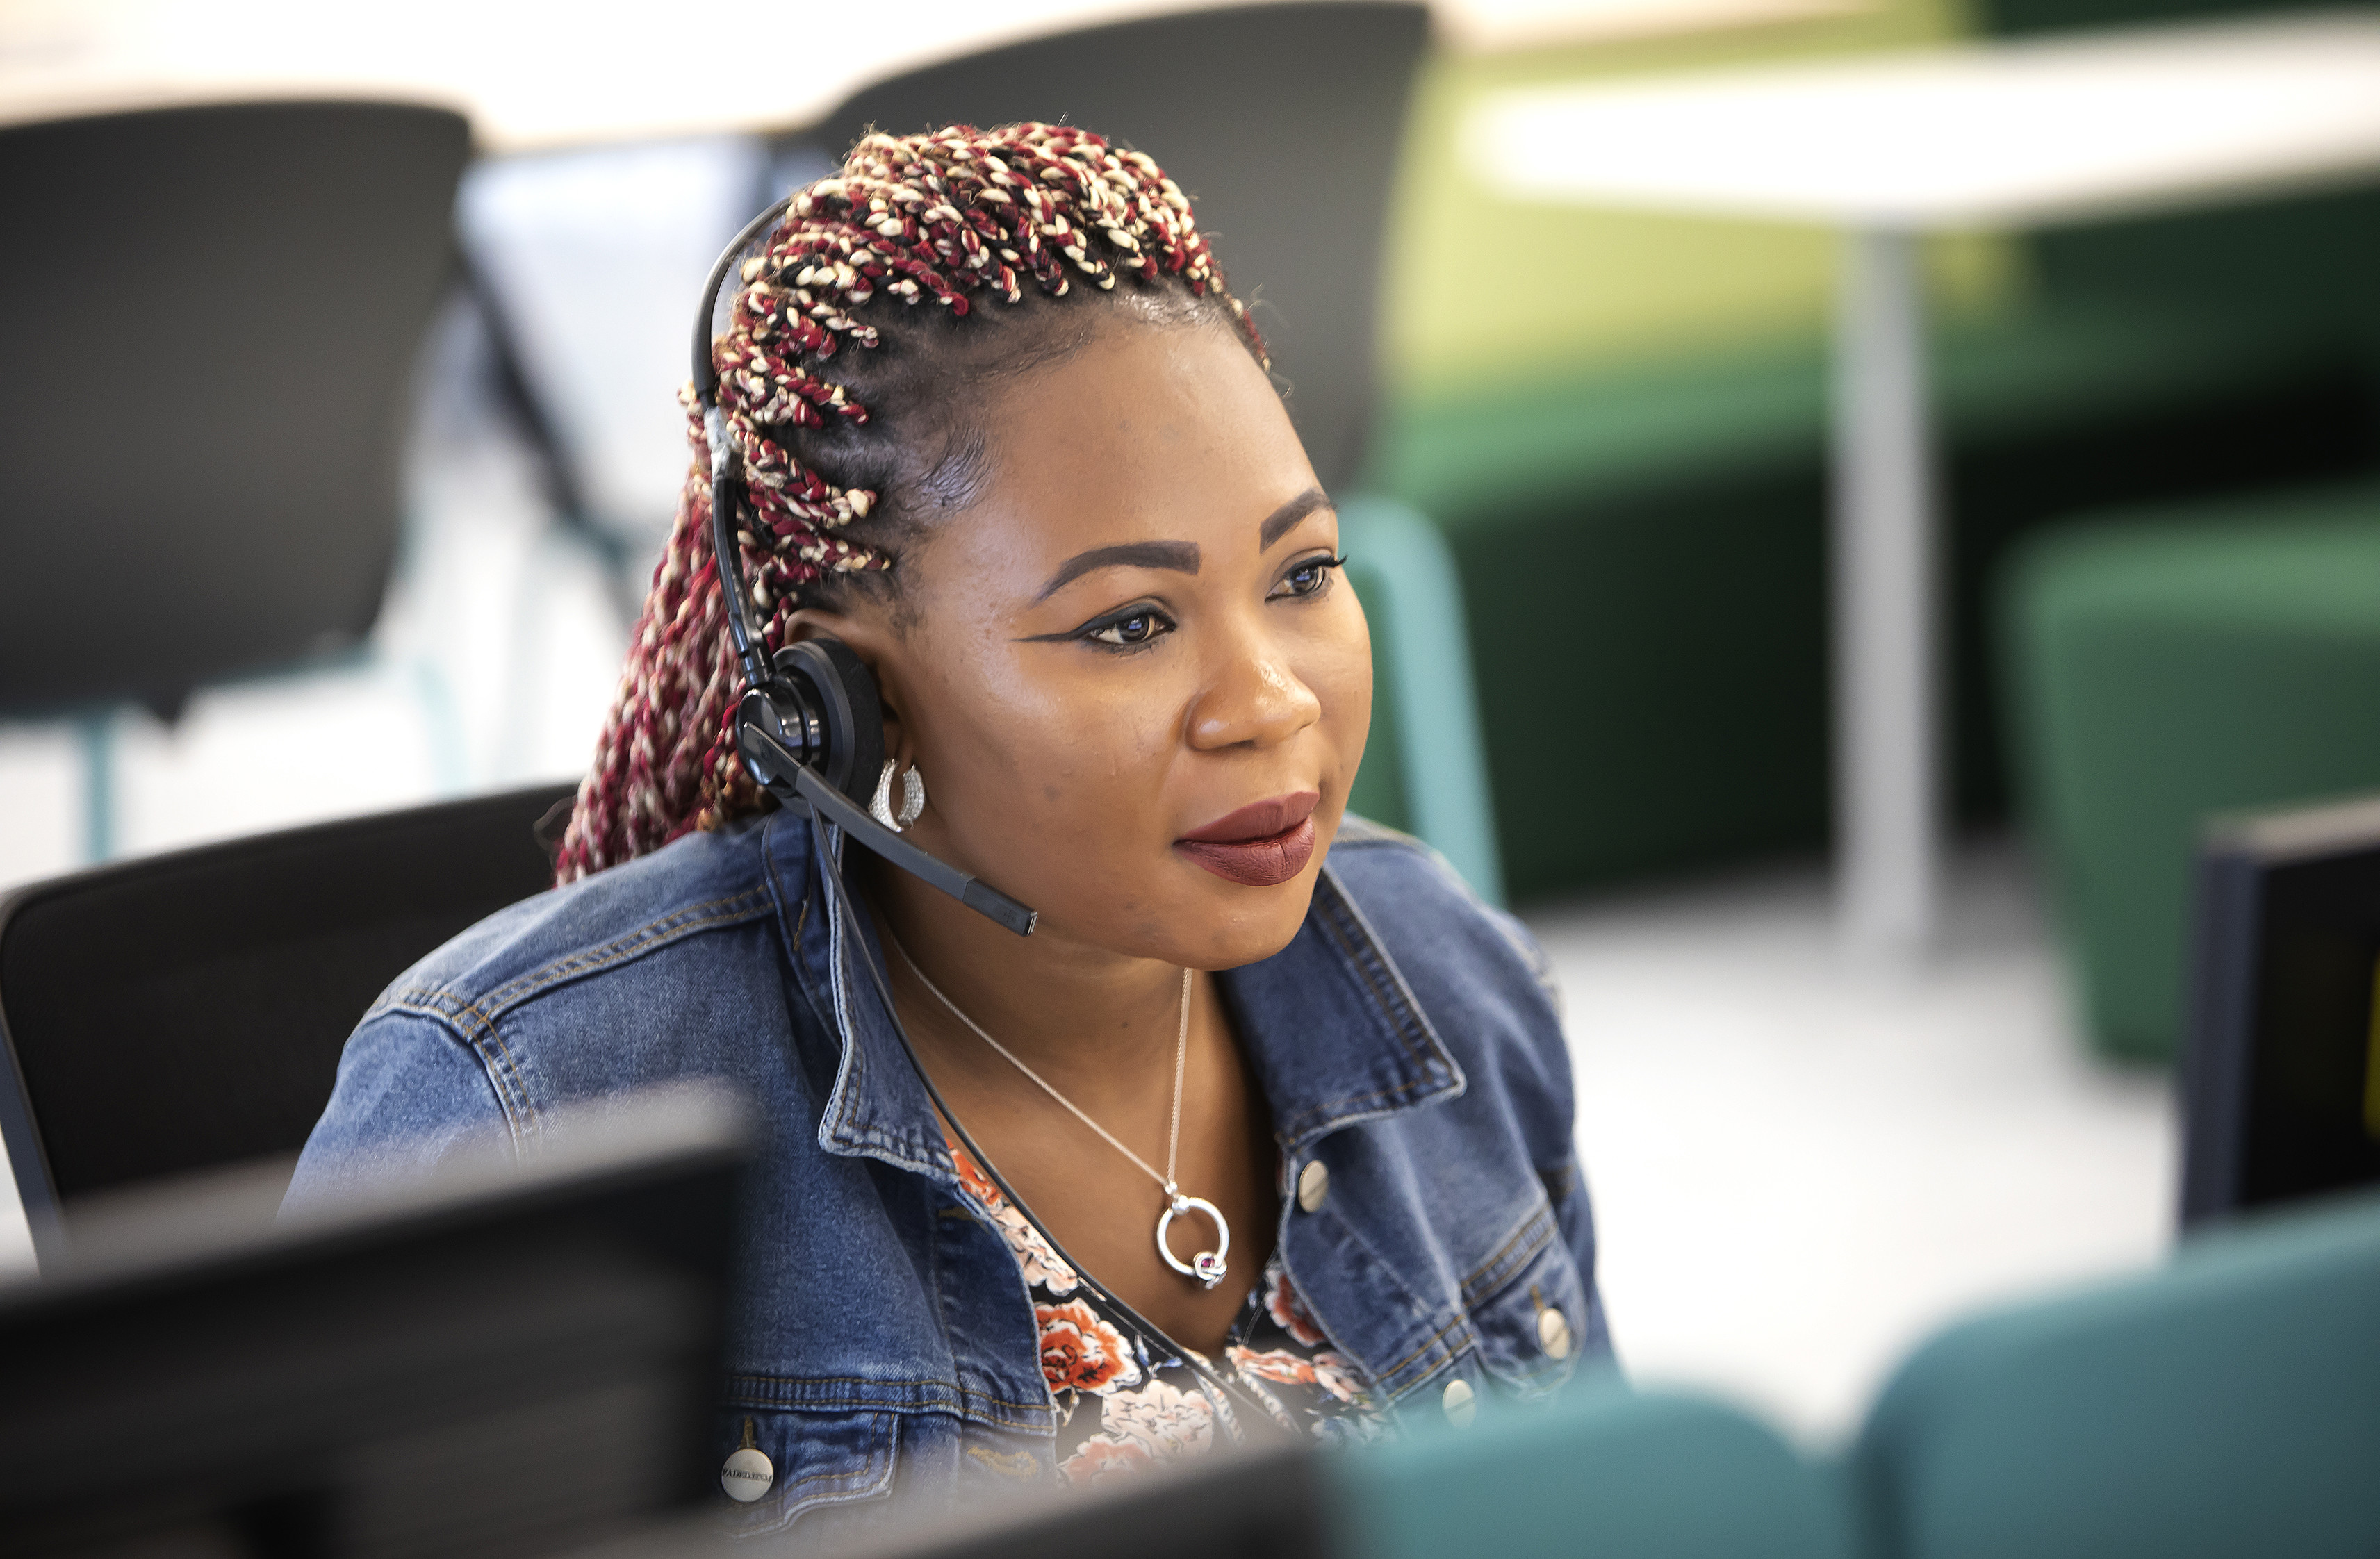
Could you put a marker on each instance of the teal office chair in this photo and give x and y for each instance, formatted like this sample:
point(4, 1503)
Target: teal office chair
point(1599, 1472)
point(1425, 769)
point(2229, 1404)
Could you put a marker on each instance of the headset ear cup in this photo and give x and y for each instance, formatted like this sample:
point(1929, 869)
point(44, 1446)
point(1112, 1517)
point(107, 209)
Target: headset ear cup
point(849, 707)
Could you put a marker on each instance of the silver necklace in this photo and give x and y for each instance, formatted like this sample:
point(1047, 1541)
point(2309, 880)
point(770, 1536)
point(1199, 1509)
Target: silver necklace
point(1206, 1267)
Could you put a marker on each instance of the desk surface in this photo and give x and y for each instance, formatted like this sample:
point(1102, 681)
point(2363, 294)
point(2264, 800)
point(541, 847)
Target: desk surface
point(534, 74)
point(1986, 134)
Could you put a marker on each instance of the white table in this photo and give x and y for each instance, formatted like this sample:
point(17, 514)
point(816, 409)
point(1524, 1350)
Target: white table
point(1887, 148)
point(535, 74)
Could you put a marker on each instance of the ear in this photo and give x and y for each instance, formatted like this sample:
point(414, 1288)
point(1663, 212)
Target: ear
point(878, 649)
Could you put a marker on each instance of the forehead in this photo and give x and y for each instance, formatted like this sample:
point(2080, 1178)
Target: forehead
point(1148, 432)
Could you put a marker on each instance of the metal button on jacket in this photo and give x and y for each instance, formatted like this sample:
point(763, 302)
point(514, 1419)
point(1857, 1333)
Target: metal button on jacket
point(749, 1473)
point(1312, 1184)
point(1553, 1333)
point(1460, 1402)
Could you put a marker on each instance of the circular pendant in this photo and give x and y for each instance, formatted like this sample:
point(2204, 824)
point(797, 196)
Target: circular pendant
point(1206, 1267)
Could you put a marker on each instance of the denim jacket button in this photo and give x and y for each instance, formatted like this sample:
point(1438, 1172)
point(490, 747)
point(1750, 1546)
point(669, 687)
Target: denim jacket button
point(1462, 1405)
point(747, 1475)
point(1312, 1184)
point(1553, 1333)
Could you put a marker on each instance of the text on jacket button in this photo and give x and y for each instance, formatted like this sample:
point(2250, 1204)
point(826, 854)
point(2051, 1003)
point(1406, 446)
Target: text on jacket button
point(1312, 1184)
point(1460, 1402)
point(748, 1473)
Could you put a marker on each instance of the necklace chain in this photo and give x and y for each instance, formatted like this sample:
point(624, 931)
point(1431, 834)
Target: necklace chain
point(1181, 1053)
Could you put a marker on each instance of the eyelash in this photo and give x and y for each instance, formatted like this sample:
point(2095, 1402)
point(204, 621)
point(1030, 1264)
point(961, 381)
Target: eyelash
point(1161, 624)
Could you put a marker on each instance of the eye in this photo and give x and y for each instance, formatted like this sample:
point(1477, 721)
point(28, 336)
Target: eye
point(1130, 629)
point(1308, 577)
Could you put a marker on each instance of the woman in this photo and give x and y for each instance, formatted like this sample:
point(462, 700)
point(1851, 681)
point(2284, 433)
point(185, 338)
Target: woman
point(1002, 431)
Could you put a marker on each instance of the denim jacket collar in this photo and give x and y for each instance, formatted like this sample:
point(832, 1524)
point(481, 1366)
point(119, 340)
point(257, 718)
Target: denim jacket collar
point(1319, 1071)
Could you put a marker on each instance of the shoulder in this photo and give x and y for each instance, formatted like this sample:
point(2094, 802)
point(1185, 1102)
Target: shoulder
point(652, 972)
point(697, 886)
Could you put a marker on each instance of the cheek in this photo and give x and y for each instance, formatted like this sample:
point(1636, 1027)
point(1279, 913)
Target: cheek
point(1048, 754)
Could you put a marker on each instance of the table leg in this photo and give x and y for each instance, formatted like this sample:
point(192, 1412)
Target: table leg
point(1886, 823)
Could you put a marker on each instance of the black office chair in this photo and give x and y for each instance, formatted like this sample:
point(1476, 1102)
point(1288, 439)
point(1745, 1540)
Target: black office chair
point(208, 321)
point(2281, 1068)
point(185, 1011)
point(1283, 124)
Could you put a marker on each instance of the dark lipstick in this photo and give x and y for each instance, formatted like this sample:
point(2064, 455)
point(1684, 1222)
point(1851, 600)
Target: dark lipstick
point(1261, 845)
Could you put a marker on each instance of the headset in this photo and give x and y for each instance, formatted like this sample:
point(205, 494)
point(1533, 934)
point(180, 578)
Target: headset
point(811, 726)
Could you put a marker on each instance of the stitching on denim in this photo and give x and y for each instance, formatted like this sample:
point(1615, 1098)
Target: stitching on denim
point(1346, 934)
point(866, 1405)
point(995, 1461)
point(1346, 931)
point(1461, 1319)
point(503, 1069)
point(1334, 1109)
point(658, 933)
point(1538, 1230)
point(801, 924)
point(868, 1470)
point(872, 1476)
point(956, 1392)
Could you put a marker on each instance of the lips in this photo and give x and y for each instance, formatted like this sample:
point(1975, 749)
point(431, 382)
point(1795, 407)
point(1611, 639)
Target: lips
point(1261, 845)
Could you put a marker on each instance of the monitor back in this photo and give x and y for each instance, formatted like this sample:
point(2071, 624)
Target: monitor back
point(508, 1367)
point(2281, 1079)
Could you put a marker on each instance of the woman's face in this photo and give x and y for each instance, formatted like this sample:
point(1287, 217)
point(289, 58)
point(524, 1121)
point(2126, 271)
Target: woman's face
point(1135, 688)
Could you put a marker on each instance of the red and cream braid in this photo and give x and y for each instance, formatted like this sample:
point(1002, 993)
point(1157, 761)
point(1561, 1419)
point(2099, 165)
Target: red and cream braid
point(950, 221)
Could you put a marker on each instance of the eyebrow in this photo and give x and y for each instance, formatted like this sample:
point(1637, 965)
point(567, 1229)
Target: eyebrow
point(1277, 524)
point(1182, 557)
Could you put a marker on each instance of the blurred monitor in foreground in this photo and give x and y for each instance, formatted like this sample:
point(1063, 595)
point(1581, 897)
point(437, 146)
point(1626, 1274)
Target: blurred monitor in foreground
point(506, 1362)
point(2282, 1078)
point(1276, 1502)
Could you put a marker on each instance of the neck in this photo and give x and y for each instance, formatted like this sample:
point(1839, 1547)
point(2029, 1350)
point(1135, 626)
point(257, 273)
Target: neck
point(1093, 1021)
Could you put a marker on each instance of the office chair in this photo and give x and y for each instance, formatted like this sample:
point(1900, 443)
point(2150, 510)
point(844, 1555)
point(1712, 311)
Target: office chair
point(185, 1011)
point(2220, 1406)
point(207, 317)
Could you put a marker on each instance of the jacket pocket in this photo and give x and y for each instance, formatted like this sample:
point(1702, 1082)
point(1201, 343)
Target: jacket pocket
point(1528, 1309)
point(818, 1458)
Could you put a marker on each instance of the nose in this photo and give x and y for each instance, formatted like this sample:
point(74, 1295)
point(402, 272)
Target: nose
point(1252, 700)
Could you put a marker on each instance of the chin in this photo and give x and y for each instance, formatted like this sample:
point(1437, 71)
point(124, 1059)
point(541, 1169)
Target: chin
point(1245, 925)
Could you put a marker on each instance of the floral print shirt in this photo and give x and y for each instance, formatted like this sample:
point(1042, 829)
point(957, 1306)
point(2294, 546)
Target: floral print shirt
point(1128, 1397)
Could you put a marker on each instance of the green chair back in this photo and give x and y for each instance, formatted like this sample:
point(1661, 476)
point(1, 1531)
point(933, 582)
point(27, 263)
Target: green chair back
point(2227, 1406)
point(1599, 1471)
point(1425, 766)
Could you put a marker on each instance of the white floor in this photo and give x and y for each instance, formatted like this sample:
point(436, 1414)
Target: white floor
point(1799, 1165)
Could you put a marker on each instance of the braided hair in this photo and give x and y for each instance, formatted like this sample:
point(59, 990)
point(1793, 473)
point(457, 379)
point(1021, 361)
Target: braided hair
point(847, 453)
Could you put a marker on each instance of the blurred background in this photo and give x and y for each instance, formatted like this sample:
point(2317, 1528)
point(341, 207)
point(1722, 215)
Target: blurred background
point(1591, 439)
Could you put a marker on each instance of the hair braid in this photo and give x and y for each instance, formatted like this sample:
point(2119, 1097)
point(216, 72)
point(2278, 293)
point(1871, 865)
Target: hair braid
point(953, 218)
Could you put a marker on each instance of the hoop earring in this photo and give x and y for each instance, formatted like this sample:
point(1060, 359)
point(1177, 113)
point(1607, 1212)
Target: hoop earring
point(880, 806)
point(913, 796)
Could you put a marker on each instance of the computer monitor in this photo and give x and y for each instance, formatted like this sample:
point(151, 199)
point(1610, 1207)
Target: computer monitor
point(508, 1361)
point(2281, 1075)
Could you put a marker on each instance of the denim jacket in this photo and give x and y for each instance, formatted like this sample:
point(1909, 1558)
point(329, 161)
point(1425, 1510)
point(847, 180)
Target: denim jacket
point(1407, 1038)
